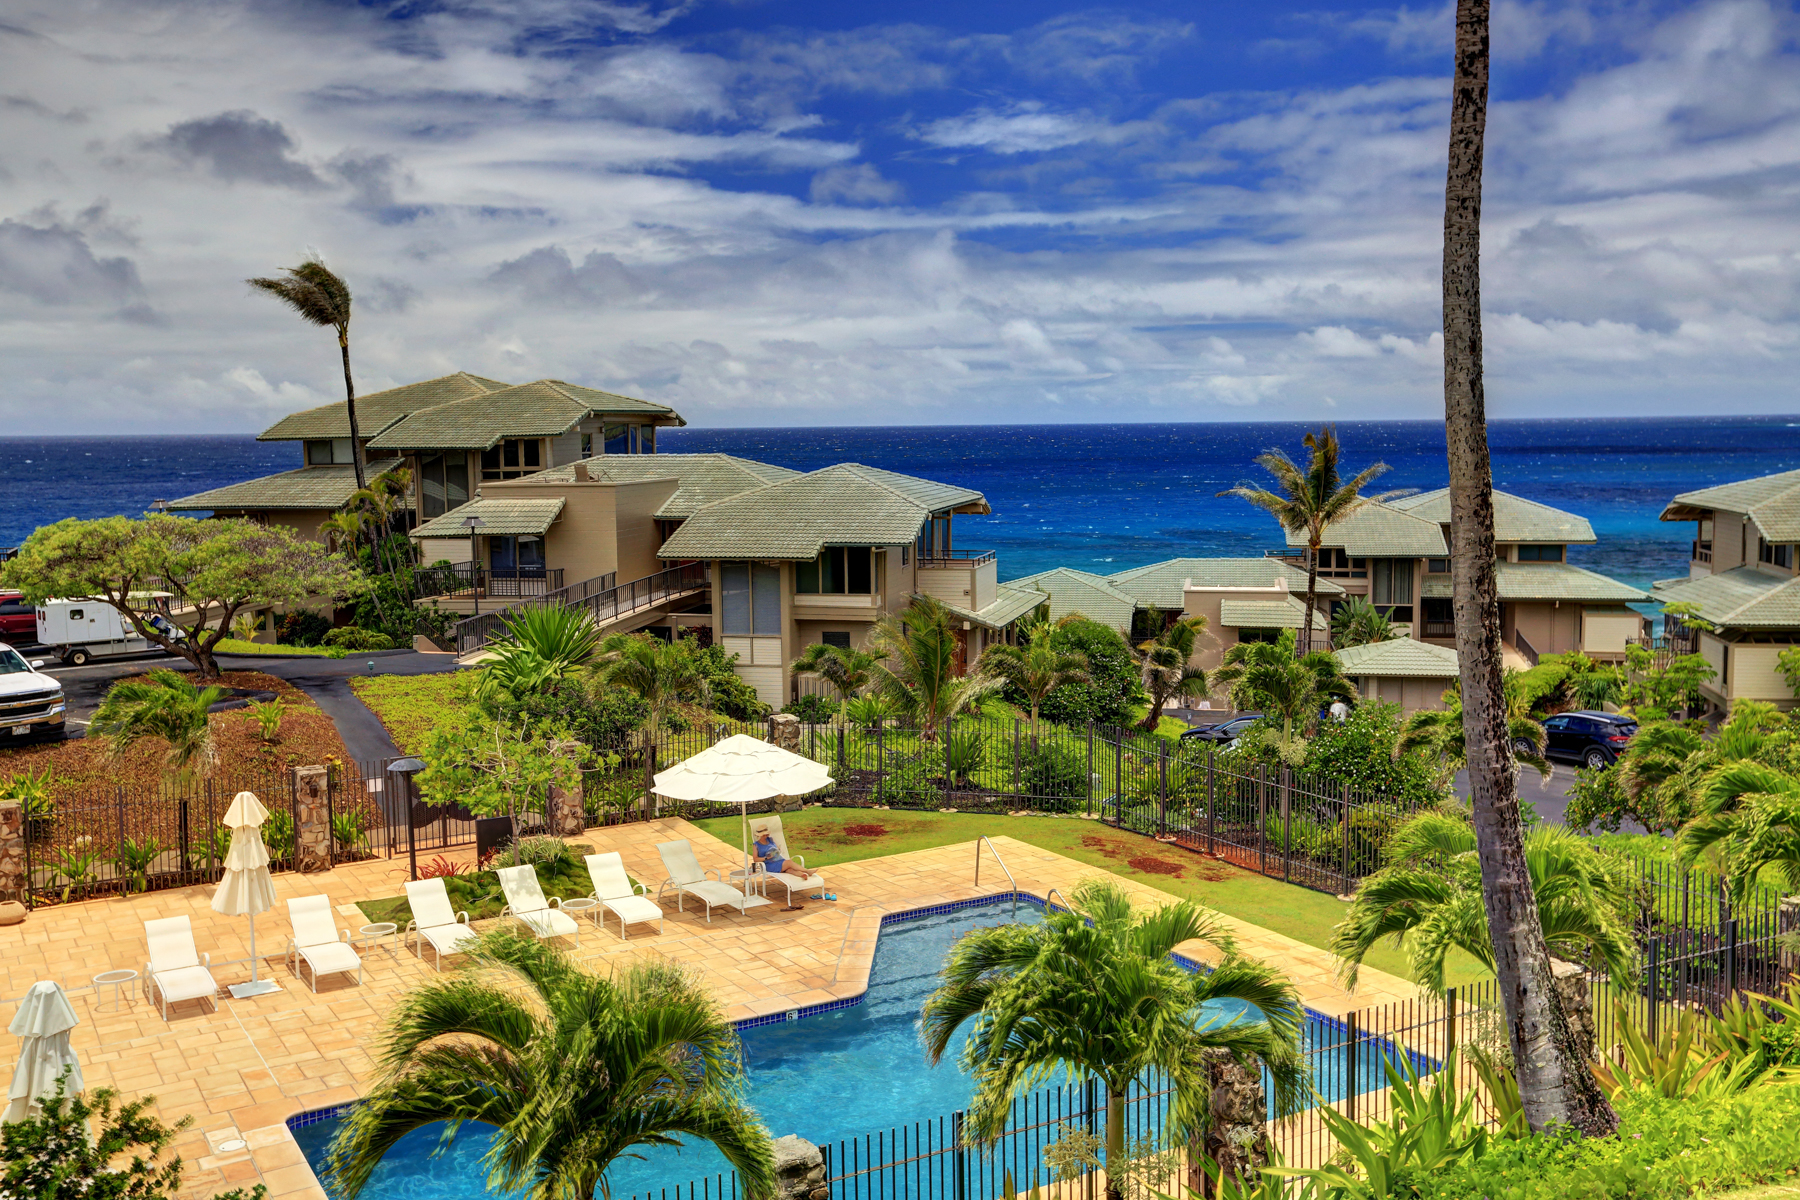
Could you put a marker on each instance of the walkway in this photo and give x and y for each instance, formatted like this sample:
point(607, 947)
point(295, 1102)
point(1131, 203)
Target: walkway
point(241, 1070)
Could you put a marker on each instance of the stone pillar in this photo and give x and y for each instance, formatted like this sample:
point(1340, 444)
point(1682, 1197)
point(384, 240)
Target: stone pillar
point(799, 1170)
point(1577, 1003)
point(12, 851)
point(784, 731)
point(1237, 1134)
point(566, 816)
point(312, 820)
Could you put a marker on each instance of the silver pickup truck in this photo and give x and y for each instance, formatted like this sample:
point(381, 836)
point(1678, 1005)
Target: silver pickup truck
point(31, 704)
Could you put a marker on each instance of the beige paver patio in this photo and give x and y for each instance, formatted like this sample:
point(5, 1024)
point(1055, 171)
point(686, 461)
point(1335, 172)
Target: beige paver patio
point(243, 1069)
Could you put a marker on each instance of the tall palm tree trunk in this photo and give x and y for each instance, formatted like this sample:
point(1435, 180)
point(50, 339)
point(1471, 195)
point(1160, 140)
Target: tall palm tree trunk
point(1312, 592)
point(1554, 1083)
point(1115, 1145)
point(356, 454)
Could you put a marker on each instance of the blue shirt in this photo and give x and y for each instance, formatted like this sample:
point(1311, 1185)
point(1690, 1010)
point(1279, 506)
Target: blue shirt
point(767, 851)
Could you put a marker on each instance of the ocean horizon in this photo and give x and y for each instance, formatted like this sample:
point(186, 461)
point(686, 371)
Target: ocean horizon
point(1096, 497)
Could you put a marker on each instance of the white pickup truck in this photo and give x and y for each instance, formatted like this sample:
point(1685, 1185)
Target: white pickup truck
point(31, 704)
point(78, 631)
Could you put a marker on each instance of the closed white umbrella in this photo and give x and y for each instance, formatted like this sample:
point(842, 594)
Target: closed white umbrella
point(42, 1024)
point(246, 888)
point(742, 770)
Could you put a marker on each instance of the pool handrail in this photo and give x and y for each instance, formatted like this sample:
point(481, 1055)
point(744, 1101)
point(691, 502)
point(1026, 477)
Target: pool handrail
point(1009, 875)
point(1054, 894)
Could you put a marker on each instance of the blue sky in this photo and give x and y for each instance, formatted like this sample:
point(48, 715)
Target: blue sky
point(775, 213)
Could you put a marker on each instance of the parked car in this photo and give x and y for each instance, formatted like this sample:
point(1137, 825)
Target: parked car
point(1224, 733)
point(31, 705)
point(18, 620)
point(1593, 739)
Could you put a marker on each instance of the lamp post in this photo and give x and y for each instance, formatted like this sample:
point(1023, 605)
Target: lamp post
point(406, 768)
point(472, 523)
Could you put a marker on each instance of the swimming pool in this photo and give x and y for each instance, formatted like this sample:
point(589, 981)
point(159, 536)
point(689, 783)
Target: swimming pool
point(827, 1077)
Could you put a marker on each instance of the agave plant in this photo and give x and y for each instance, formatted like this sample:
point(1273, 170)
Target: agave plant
point(75, 864)
point(540, 646)
point(134, 858)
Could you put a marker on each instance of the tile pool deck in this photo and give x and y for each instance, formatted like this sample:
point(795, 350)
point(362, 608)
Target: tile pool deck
point(242, 1070)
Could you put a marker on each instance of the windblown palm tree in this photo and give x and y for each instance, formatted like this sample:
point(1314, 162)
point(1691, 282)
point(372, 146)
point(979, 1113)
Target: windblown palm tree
point(1439, 734)
point(322, 298)
point(573, 1071)
point(1752, 814)
point(846, 670)
point(1166, 667)
point(662, 675)
point(540, 646)
point(1427, 899)
point(1359, 623)
point(1666, 769)
point(1037, 668)
point(166, 706)
point(916, 670)
point(1266, 676)
point(1094, 990)
point(1311, 500)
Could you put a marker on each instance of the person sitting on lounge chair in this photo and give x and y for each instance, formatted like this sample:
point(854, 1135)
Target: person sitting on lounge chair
point(769, 855)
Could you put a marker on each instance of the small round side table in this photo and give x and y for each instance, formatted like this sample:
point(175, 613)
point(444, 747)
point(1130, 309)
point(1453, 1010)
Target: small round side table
point(581, 904)
point(116, 980)
point(372, 935)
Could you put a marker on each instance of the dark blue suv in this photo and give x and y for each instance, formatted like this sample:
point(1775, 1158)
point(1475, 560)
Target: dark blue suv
point(1593, 739)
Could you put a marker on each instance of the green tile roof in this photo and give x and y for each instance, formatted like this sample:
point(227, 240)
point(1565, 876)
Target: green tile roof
point(1009, 604)
point(795, 518)
point(1082, 593)
point(543, 408)
point(1401, 658)
point(500, 518)
point(378, 410)
point(1382, 531)
point(1772, 501)
point(1561, 581)
point(1160, 584)
point(704, 478)
point(1267, 614)
point(1516, 519)
point(1741, 598)
point(308, 488)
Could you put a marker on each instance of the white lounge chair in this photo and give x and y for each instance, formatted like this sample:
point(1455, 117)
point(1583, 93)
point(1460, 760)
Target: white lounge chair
point(615, 891)
point(317, 941)
point(790, 882)
point(525, 900)
point(176, 968)
point(434, 922)
point(687, 878)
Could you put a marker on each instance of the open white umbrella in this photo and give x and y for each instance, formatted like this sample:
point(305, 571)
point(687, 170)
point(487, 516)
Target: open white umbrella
point(42, 1024)
point(246, 888)
point(742, 770)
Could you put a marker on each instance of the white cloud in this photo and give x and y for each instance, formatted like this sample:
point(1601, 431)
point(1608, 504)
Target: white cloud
point(1025, 128)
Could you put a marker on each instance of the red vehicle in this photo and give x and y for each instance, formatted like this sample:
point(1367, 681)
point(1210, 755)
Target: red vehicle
point(18, 620)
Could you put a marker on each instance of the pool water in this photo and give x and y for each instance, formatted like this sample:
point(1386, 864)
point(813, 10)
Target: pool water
point(825, 1077)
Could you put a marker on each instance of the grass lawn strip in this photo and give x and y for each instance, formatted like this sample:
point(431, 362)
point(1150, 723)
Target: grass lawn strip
point(834, 835)
point(411, 706)
point(233, 646)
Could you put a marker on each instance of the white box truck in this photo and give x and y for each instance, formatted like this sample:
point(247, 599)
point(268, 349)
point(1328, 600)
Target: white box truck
point(79, 631)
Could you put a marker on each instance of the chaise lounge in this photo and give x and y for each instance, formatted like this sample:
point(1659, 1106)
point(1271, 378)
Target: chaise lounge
point(615, 892)
point(687, 878)
point(525, 900)
point(317, 941)
point(177, 970)
point(815, 884)
point(434, 922)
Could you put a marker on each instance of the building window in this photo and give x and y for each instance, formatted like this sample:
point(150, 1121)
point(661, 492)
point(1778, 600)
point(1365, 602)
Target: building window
point(325, 452)
point(513, 557)
point(1392, 582)
point(1440, 617)
point(617, 439)
point(443, 484)
point(934, 538)
point(1540, 553)
point(1437, 566)
point(1776, 555)
point(750, 600)
point(835, 638)
point(587, 445)
point(1259, 635)
point(647, 439)
point(512, 458)
point(839, 570)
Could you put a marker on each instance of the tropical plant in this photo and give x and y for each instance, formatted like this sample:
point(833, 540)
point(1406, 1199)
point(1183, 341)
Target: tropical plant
point(965, 750)
point(167, 706)
point(1356, 622)
point(278, 835)
point(1439, 734)
point(1656, 692)
point(1751, 813)
point(572, 1071)
point(267, 715)
point(917, 650)
point(1764, 1030)
point(1267, 676)
point(814, 709)
point(75, 864)
point(322, 298)
point(1310, 501)
point(1428, 900)
point(244, 626)
point(1094, 990)
point(492, 766)
point(846, 670)
point(540, 646)
point(32, 791)
point(1114, 684)
point(1167, 667)
point(662, 675)
point(440, 868)
point(133, 859)
point(1036, 667)
point(349, 831)
point(866, 712)
point(1676, 1063)
point(357, 639)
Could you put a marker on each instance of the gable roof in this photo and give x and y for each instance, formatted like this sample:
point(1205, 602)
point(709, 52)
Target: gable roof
point(376, 411)
point(1382, 531)
point(703, 478)
point(500, 517)
point(309, 487)
point(1400, 658)
point(1160, 584)
point(1546, 581)
point(1073, 592)
point(1516, 519)
point(542, 408)
point(1010, 602)
point(1772, 501)
point(1743, 598)
point(1287, 613)
point(845, 505)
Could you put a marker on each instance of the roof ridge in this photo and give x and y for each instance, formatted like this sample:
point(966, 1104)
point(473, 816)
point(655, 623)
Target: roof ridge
point(858, 470)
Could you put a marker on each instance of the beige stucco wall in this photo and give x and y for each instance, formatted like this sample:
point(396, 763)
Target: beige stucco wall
point(603, 527)
point(1550, 628)
point(1413, 695)
point(956, 585)
point(1606, 632)
point(454, 550)
point(1753, 675)
point(303, 521)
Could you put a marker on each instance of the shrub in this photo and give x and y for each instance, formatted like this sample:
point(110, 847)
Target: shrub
point(814, 710)
point(539, 851)
point(1054, 776)
point(868, 711)
point(965, 752)
point(440, 868)
point(602, 718)
point(354, 639)
point(1113, 687)
point(303, 628)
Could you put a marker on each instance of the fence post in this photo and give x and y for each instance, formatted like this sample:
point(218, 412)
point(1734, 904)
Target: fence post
point(1018, 781)
point(1655, 983)
point(1119, 783)
point(1089, 1097)
point(1211, 801)
point(956, 1153)
point(880, 761)
point(1350, 1057)
point(1088, 805)
point(1449, 1023)
point(119, 796)
point(1287, 824)
point(1731, 956)
point(1344, 821)
point(1262, 819)
point(331, 815)
point(1162, 788)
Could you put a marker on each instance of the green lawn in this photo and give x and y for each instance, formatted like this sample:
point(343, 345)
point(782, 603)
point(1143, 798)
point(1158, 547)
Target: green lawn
point(233, 646)
point(834, 835)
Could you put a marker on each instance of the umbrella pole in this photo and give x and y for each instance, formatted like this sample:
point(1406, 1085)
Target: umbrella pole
point(744, 813)
point(256, 986)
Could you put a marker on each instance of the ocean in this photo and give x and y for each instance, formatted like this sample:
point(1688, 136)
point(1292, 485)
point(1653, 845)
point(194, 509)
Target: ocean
point(1095, 497)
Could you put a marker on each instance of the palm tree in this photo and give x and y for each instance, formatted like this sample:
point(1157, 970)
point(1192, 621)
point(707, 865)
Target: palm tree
point(1165, 662)
point(167, 706)
point(1036, 668)
point(1094, 990)
point(1427, 898)
point(1310, 501)
point(1359, 623)
point(662, 675)
point(1439, 734)
point(1555, 1086)
point(541, 646)
point(916, 668)
point(1266, 676)
point(846, 670)
point(323, 298)
point(1666, 769)
point(1752, 814)
point(573, 1071)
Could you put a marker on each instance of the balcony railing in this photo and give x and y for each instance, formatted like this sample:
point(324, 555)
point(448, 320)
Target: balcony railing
point(1438, 629)
point(457, 578)
point(603, 605)
point(1703, 552)
point(1297, 560)
point(958, 558)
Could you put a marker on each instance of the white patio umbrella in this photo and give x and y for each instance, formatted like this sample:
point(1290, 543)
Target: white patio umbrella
point(42, 1024)
point(742, 770)
point(246, 888)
